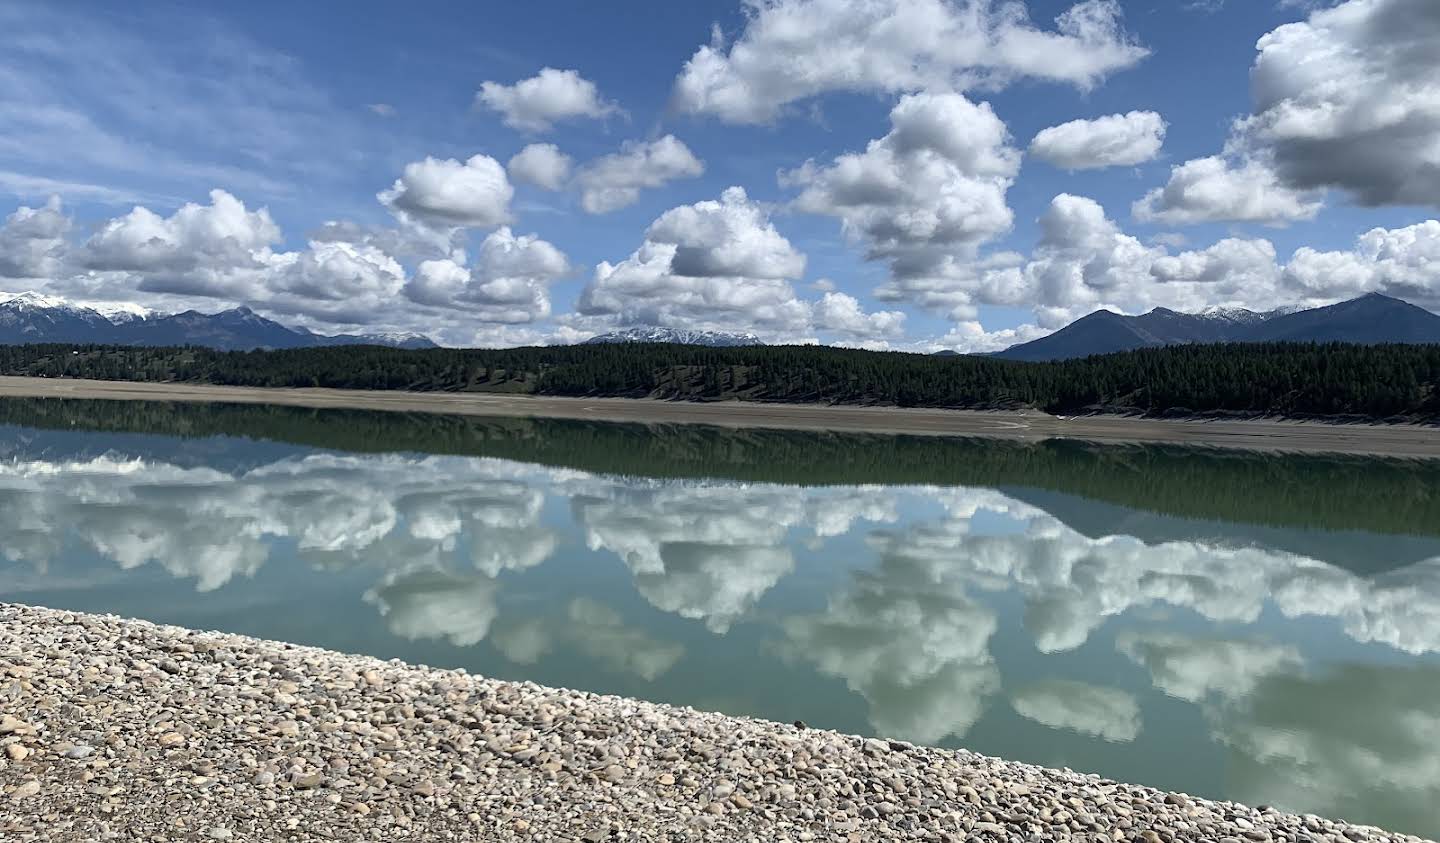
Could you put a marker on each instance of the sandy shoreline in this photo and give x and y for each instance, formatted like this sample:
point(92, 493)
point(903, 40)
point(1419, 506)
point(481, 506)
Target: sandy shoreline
point(1262, 435)
point(120, 729)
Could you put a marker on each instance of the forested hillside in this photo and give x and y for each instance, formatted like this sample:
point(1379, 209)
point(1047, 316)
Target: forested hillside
point(1294, 379)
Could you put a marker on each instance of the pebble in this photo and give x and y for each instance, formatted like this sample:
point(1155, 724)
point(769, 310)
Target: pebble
point(203, 736)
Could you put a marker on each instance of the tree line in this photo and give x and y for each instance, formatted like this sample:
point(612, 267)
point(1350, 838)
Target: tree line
point(1287, 379)
point(1315, 492)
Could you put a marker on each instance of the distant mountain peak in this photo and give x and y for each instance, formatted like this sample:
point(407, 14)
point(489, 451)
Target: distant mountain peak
point(1370, 319)
point(680, 336)
point(32, 317)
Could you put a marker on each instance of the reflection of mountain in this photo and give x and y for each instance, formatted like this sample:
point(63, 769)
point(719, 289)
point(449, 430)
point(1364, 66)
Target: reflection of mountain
point(1328, 493)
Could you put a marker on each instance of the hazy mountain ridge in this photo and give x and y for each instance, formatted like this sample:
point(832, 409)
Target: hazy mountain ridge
point(1372, 319)
point(35, 318)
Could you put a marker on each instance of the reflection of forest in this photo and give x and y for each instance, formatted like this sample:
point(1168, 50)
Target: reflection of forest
point(1330, 493)
point(1087, 545)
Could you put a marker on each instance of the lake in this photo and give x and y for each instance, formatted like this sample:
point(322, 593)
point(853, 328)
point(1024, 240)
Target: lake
point(1259, 628)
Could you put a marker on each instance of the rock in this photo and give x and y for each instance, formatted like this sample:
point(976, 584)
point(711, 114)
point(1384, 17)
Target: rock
point(25, 790)
point(365, 750)
point(308, 781)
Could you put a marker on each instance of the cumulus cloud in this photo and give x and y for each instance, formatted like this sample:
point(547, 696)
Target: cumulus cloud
point(1215, 189)
point(710, 264)
point(842, 314)
point(32, 241)
point(540, 164)
point(1102, 712)
point(334, 280)
point(198, 249)
point(509, 282)
point(722, 265)
point(614, 181)
point(1404, 262)
point(932, 188)
point(791, 50)
point(549, 96)
point(1350, 99)
point(1117, 140)
point(446, 192)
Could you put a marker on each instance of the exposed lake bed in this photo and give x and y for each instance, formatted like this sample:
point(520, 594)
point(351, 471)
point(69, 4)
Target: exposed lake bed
point(1269, 619)
point(141, 732)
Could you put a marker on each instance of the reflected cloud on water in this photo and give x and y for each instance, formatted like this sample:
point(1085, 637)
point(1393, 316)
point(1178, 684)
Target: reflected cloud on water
point(926, 592)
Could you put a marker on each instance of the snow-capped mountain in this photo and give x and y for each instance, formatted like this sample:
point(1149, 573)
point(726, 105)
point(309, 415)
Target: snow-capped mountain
point(35, 318)
point(677, 336)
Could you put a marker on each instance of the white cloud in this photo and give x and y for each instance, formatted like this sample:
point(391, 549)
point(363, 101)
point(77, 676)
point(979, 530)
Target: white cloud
point(722, 266)
point(381, 109)
point(222, 234)
point(796, 49)
point(549, 96)
point(842, 314)
point(1117, 140)
point(509, 282)
point(334, 281)
point(1233, 267)
point(446, 192)
point(614, 181)
point(1350, 99)
point(540, 164)
point(715, 264)
point(1107, 713)
point(1215, 189)
point(32, 241)
point(1404, 262)
point(932, 188)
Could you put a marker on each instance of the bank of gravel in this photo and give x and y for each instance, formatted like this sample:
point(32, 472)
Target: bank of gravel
point(123, 730)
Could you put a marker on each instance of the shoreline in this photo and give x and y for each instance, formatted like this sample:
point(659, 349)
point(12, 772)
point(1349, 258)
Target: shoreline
point(1381, 440)
point(118, 728)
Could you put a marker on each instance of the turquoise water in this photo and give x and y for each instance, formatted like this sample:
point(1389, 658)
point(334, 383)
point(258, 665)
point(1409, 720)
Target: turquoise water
point(1256, 628)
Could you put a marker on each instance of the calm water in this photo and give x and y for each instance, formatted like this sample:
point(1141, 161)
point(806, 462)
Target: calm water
point(1255, 628)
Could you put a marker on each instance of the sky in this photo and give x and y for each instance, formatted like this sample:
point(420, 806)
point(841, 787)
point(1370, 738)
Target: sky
point(903, 174)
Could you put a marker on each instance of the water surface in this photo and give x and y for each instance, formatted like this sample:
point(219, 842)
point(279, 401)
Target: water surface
point(1248, 627)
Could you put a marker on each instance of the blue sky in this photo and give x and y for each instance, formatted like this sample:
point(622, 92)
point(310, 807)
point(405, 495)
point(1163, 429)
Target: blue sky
point(947, 234)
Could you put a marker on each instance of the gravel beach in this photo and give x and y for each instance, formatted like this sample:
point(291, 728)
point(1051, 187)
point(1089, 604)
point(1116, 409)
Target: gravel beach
point(114, 729)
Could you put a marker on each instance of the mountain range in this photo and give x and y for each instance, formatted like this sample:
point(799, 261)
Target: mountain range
point(1369, 320)
point(36, 318)
point(680, 336)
